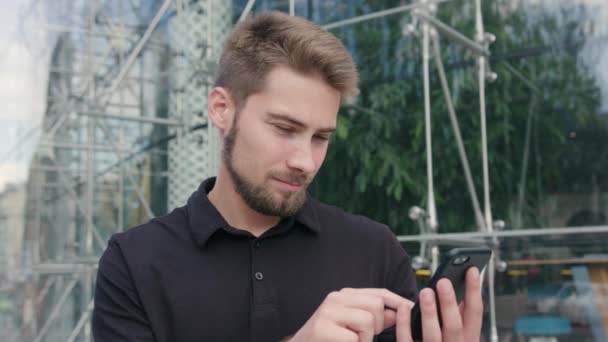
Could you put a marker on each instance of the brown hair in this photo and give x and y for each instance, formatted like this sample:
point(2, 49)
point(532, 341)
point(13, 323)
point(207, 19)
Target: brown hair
point(270, 39)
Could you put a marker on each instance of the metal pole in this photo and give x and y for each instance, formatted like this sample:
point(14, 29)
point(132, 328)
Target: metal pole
point(432, 211)
point(111, 34)
point(427, 121)
point(81, 322)
point(246, 10)
point(56, 310)
point(521, 77)
point(140, 45)
point(521, 193)
point(143, 119)
point(64, 268)
point(456, 128)
point(121, 183)
point(292, 8)
point(507, 233)
point(453, 34)
point(83, 211)
point(87, 277)
point(374, 15)
point(87, 281)
point(71, 146)
point(89, 79)
point(45, 289)
point(486, 178)
point(36, 246)
point(138, 192)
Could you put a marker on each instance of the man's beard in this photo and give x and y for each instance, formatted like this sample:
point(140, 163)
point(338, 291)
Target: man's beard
point(259, 197)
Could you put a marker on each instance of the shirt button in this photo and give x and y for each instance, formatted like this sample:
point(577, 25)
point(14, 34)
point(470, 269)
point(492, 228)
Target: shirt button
point(257, 245)
point(259, 275)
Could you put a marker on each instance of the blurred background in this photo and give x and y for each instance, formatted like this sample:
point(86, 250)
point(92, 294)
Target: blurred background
point(103, 126)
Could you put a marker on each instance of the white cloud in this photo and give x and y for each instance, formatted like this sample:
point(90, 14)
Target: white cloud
point(13, 172)
point(23, 80)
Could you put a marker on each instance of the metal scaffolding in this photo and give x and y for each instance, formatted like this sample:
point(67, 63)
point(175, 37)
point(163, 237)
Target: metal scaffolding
point(121, 85)
point(125, 80)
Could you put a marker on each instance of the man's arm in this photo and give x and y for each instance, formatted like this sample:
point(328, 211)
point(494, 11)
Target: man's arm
point(118, 314)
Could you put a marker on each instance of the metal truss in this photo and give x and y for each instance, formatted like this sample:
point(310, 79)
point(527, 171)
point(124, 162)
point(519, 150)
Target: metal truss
point(95, 106)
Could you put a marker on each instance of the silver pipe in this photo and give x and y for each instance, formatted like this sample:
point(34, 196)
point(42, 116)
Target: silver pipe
point(45, 289)
point(61, 268)
point(82, 210)
point(143, 119)
point(460, 242)
point(121, 185)
point(432, 211)
point(521, 77)
point(111, 34)
point(453, 34)
point(81, 322)
point(292, 8)
point(140, 45)
point(129, 175)
point(479, 30)
point(72, 146)
point(55, 311)
point(86, 295)
point(507, 233)
point(521, 194)
point(456, 128)
point(374, 15)
point(246, 10)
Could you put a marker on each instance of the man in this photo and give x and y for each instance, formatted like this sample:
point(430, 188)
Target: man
point(252, 257)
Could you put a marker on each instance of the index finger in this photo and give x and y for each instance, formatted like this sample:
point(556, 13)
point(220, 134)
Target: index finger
point(403, 330)
point(473, 305)
point(391, 299)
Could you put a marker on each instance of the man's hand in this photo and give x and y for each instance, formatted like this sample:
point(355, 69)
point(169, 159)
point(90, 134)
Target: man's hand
point(460, 323)
point(359, 314)
point(352, 315)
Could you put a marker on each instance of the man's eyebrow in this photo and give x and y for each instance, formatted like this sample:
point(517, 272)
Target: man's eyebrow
point(296, 122)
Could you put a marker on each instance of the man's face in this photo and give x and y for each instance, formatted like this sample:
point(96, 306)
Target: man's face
point(278, 140)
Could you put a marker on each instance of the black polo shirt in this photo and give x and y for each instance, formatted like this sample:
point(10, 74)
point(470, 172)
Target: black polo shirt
point(189, 276)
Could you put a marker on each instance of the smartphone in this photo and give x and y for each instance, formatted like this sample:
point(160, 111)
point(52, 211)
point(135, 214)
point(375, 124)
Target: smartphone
point(454, 267)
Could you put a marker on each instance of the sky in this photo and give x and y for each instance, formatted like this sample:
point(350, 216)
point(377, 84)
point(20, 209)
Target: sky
point(23, 74)
point(24, 55)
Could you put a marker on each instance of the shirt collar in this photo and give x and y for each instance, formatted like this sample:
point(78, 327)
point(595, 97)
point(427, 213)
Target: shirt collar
point(205, 219)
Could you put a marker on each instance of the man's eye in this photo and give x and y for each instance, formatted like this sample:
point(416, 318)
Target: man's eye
point(321, 137)
point(285, 129)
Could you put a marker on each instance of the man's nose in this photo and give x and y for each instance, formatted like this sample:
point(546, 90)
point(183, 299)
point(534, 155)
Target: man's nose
point(302, 159)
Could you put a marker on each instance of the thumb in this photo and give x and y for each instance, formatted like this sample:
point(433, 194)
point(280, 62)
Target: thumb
point(390, 318)
point(403, 331)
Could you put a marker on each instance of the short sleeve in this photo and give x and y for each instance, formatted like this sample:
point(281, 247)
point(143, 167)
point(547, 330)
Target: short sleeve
point(118, 314)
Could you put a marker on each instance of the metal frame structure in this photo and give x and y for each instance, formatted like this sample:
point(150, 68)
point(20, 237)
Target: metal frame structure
point(93, 101)
point(87, 113)
point(101, 108)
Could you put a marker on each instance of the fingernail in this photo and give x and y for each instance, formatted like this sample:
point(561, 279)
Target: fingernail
point(444, 286)
point(426, 296)
point(475, 273)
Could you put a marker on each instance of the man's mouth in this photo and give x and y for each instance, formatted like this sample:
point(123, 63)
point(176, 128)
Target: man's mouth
point(289, 185)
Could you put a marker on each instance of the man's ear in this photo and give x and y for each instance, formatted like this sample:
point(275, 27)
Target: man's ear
point(221, 108)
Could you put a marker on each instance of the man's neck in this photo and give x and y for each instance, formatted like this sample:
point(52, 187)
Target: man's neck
point(234, 209)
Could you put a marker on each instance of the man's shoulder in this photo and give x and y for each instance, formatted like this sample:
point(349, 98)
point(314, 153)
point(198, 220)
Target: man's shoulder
point(343, 222)
point(157, 231)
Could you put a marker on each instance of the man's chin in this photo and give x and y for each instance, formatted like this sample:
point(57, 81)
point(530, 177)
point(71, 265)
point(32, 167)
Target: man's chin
point(293, 200)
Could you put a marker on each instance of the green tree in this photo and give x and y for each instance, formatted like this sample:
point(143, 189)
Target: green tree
point(377, 164)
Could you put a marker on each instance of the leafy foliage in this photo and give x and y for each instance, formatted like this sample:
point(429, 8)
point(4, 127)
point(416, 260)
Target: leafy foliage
point(376, 164)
